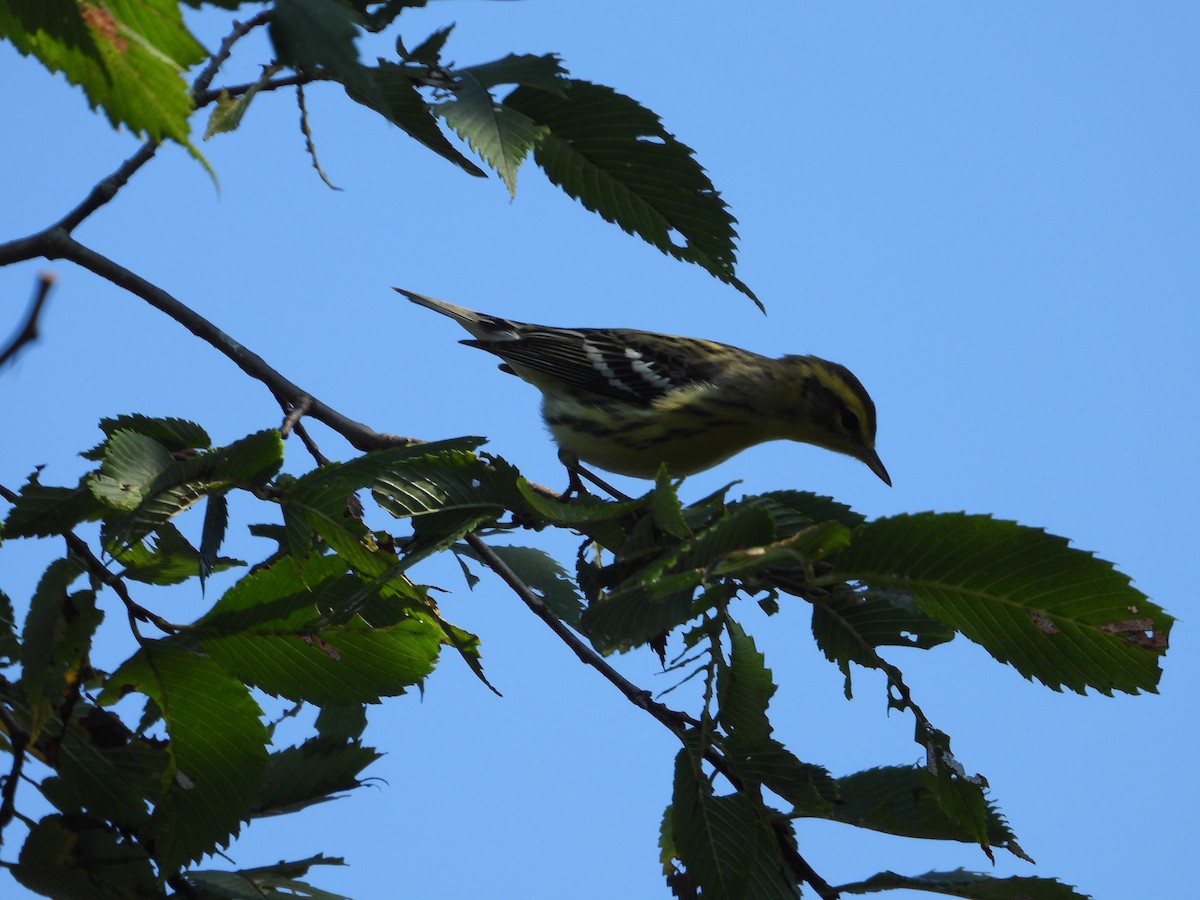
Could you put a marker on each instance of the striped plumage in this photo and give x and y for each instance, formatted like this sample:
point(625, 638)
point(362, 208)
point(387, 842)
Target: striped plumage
point(628, 401)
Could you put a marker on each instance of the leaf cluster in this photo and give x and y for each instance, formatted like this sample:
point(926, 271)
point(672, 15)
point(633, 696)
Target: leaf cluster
point(601, 147)
point(331, 618)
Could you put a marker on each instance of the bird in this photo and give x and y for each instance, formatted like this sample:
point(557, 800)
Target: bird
point(630, 401)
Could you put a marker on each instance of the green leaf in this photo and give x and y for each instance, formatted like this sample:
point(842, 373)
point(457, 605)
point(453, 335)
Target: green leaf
point(429, 51)
point(311, 632)
point(217, 749)
point(321, 34)
point(140, 477)
point(42, 511)
point(850, 628)
point(544, 576)
point(298, 777)
point(340, 664)
point(397, 99)
point(228, 112)
point(127, 55)
point(728, 844)
point(744, 688)
point(794, 511)
point(971, 885)
point(276, 882)
point(176, 435)
point(1054, 613)
point(769, 763)
point(614, 156)
point(903, 800)
point(502, 136)
point(216, 520)
point(72, 858)
point(105, 770)
point(56, 640)
point(542, 72)
point(168, 559)
point(10, 647)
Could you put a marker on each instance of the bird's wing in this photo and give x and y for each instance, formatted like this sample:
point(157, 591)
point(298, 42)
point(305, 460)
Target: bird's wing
point(623, 364)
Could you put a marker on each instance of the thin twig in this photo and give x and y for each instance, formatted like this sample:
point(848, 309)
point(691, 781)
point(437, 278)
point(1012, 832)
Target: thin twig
point(58, 245)
point(28, 332)
point(111, 580)
point(677, 722)
point(18, 739)
point(200, 91)
point(309, 144)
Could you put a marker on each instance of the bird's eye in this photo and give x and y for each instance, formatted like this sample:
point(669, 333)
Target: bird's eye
point(849, 421)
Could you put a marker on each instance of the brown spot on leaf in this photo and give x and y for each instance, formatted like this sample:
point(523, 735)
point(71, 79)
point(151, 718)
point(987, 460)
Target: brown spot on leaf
point(322, 645)
point(104, 26)
point(1042, 622)
point(1137, 631)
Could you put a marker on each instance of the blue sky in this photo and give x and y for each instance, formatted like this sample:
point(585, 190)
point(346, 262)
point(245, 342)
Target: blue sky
point(987, 211)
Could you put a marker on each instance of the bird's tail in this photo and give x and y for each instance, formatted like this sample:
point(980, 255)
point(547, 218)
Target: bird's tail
point(480, 325)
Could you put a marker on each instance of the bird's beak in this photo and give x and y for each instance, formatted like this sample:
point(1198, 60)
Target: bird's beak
point(875, 464)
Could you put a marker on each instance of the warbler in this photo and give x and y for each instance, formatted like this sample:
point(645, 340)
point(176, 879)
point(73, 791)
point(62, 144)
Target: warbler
point(629, 401)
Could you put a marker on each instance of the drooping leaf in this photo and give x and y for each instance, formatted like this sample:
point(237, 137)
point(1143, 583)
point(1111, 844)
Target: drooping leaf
point(744, 688)
point(728, 844)
point(321, 34)
point(217, 749)
point(500, 135)
point(901, 800)
point(42, 510)
point(216, 520)
point(127, 55)
point(545, 73)
point(55, 640)
point(311, 773)
point(614, 156)
point(1054, 613)
point(175, 435)
point(74, 858)
point(275, 882)
point(851, 628)
point(10, 646)
point(397, 99)
point(544, 576)
point(970, 885)
point(166, 557)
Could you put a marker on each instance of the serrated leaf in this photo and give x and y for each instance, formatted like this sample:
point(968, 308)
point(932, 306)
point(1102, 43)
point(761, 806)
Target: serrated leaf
point(55, 640)
point(217, 749)
point(216, 520)
point(128, 57)
point(902, 800)
point(397, 99)
point(544, 576)
point(167, 559)
point(321, 34)
point(312, 773)
point(42, 510)
point(542, 72)
point(970, 885)
point(851, 628)
point(744, 688)
point(10, 647)
point(429, 51)
point(176, 435)
point(614, 156)
point(276, 882)
point(106, 771)
point(1054, 613)
point(154, 488)
point(727, 843)
point(228, 112)
point(501, 136)
point(81, 859)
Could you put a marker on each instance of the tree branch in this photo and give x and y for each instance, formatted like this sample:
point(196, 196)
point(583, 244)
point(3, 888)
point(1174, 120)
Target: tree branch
point(57, 244)
point(28, 332)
